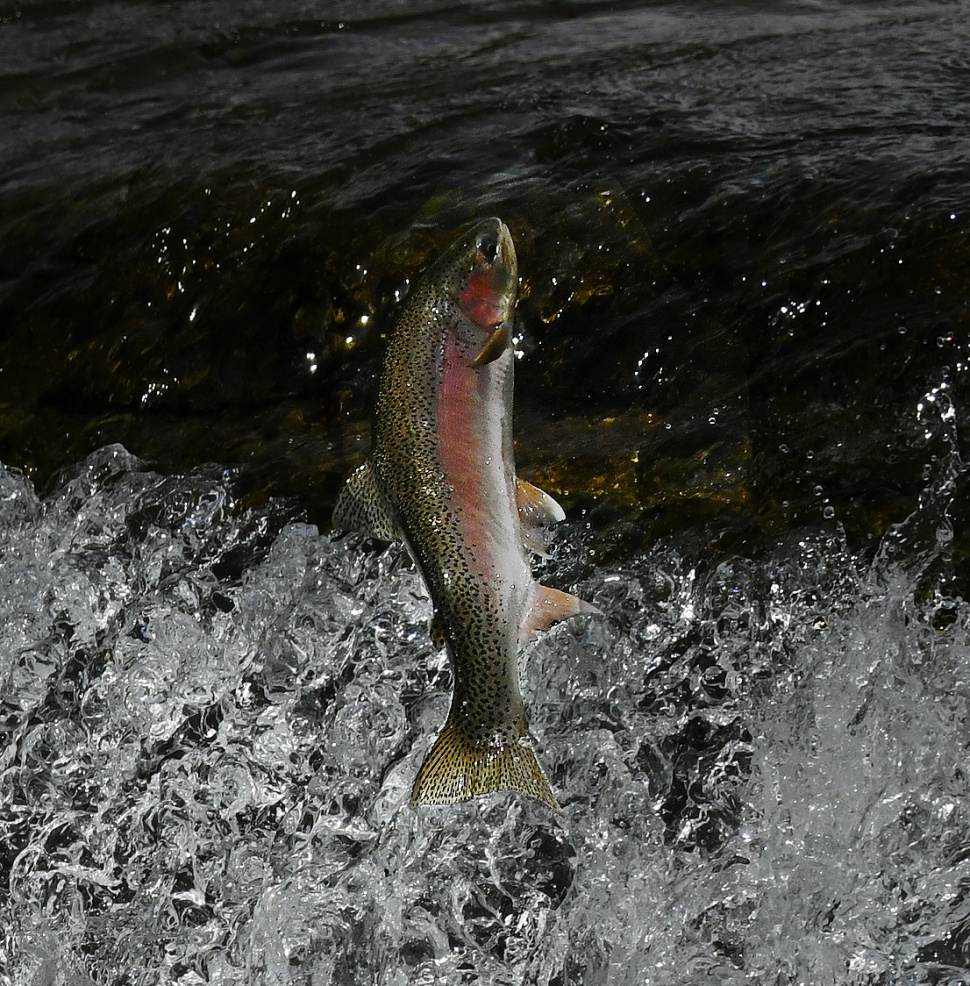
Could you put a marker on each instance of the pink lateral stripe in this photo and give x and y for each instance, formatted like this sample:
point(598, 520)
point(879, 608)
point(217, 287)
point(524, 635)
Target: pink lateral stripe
point(462, 451)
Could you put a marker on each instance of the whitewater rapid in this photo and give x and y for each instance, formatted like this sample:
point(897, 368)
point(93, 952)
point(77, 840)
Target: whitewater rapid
point(212, 718)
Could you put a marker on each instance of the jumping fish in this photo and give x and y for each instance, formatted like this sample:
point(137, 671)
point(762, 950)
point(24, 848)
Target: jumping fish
point(441, 476)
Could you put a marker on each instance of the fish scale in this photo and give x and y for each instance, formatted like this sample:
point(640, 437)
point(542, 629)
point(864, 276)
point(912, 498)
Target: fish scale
point(442, 477)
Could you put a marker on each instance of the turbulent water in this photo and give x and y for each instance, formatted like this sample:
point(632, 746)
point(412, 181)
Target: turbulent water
point(745, 370)
point(210, 732)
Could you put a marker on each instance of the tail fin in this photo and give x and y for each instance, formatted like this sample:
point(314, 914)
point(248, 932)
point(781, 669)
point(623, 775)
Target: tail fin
point(458, 768)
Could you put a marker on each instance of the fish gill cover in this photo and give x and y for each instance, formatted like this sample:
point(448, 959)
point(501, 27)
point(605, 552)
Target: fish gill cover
point(211, 717)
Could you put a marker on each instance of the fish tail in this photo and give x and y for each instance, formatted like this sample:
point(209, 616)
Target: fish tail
point(458, 768)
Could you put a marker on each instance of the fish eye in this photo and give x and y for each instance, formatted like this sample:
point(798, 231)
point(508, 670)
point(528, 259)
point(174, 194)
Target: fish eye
point(488, 247)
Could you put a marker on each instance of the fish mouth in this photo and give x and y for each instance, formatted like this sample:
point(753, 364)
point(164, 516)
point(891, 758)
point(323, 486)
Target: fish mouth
point(489, 293)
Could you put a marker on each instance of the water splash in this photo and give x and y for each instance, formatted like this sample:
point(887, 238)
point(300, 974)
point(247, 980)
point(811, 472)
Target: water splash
point(211, 721)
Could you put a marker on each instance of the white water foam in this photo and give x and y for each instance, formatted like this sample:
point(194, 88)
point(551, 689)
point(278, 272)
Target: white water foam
point(210, 728)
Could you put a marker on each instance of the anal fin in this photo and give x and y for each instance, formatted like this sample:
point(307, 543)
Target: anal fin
point(549, 606)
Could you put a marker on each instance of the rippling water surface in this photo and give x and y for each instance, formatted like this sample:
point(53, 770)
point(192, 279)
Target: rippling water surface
point(744, 369)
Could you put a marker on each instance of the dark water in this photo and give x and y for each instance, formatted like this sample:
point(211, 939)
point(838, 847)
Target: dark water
point(744, 248)
point(733, 214)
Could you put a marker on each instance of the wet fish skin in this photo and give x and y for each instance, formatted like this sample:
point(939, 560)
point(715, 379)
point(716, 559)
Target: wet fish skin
point(441, 475)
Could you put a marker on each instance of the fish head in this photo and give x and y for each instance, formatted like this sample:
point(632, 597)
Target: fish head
point(483, 285)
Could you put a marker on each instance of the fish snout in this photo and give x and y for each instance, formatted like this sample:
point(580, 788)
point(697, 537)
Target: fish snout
point(489, 293)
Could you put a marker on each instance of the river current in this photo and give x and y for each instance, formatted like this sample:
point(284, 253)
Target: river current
point(744, 370)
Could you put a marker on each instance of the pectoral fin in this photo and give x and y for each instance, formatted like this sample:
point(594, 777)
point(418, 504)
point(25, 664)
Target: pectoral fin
point(362, 507)
point(550, 605)
point(537, 510)
point(495, 345)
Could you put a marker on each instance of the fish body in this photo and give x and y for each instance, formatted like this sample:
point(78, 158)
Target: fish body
point(441, 475)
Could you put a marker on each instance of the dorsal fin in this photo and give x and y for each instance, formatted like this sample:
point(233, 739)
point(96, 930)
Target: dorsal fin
point(537, 511)
point(549, 605)
point(362, 507)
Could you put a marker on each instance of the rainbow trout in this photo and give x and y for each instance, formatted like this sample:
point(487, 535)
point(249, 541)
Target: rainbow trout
point(441, 476)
